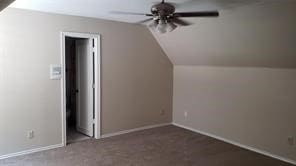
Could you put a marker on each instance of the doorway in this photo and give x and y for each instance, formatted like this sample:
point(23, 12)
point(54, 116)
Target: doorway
point(81, 87)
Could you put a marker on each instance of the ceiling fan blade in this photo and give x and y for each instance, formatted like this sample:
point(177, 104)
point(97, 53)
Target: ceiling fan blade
point(130, 13)
point(144, 21)
point(181, 22)
point(197, 14)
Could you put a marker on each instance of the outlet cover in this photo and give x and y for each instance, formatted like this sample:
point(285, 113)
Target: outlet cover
point(185, 114)
point(162, 112)
point(30, 134)
point(291, 140)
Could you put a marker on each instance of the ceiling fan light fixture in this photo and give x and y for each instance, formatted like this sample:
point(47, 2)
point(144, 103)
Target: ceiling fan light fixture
point(162, 26)
point(153, 24)
point(171, 26)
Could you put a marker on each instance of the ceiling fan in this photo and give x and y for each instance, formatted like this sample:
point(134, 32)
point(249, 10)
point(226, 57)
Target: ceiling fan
point(165, 19)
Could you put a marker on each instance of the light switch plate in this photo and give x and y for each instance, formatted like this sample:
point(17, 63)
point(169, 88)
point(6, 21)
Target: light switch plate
point(55, 71)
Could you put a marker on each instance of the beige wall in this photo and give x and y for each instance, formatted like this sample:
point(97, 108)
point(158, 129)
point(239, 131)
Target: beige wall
point(252, 99)
point(136, 77)
point(5, 3)
point(251, 106)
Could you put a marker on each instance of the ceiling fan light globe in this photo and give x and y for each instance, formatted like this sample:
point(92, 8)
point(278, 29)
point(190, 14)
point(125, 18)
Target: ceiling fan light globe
point(161, 27)
point(153, 25)
point(171, 26)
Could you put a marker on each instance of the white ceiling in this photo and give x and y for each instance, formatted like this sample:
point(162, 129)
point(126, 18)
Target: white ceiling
point(103, 8)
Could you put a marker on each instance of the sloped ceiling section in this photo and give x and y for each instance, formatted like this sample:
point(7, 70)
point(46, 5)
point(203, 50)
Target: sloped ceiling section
point(95, 8)
point(254, 34)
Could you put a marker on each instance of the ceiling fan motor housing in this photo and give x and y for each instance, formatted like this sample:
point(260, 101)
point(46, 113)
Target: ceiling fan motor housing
point(162, 10)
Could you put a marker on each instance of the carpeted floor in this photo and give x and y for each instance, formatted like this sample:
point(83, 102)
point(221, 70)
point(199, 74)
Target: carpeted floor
point(164, 146)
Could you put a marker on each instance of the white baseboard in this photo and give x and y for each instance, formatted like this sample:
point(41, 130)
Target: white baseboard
point(62, 145)
point(133, 130)
point(31, 151)
point(238, 144)
point(155, 126)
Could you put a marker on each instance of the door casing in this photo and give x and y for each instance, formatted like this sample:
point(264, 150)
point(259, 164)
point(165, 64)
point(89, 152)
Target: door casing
point(97, 84)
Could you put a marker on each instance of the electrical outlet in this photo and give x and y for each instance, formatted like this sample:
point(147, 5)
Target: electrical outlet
point(185, 114)
point(291, 140)
point(162, 111)
point(30, 134)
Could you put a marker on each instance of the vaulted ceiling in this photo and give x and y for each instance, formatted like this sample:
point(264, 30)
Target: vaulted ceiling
point(103, 8)
point(256, 33)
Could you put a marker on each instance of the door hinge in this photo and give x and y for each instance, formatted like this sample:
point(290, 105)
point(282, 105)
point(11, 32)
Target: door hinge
point(93, 86)
point(94, 121)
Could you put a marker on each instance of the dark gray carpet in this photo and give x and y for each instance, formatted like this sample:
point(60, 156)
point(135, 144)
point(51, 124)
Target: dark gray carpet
point(164, 146)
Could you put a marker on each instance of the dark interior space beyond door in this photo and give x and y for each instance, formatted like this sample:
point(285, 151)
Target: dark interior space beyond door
point(71, 81)
point(72, 91)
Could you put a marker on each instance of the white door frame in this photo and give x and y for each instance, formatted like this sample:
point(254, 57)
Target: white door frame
point(97, 69)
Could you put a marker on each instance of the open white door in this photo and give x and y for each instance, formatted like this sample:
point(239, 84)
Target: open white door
point(85, 95)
